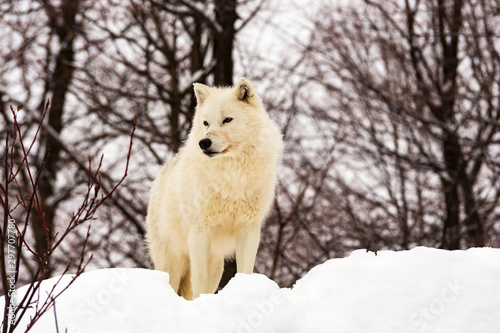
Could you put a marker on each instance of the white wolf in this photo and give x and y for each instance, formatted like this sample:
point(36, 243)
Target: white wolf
point(209, 201)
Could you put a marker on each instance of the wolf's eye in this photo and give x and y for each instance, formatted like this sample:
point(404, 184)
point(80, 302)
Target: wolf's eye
point(227, 120)
point(205, 123)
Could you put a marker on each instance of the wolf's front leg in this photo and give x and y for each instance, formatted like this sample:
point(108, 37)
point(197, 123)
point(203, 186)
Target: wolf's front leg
point(247, 244)
point(199, 252)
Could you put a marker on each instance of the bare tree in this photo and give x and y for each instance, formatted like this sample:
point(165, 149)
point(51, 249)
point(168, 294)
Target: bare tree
point(102, 63)
point(415, 87)
point(391, 123)
point(43, 35)
point(146, 64)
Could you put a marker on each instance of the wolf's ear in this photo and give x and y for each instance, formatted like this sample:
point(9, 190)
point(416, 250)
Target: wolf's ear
point(244, 90)
point(201, 92)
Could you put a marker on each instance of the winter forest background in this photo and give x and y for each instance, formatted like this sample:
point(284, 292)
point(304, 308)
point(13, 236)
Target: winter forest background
point(390, 112)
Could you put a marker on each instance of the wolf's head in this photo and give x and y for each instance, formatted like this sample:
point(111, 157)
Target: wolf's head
point(228, 121)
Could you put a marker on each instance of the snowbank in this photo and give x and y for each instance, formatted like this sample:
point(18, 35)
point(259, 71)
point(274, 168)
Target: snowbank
point(421, 290)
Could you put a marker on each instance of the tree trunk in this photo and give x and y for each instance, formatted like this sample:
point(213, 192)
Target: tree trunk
point(225, 14)
point(59, 85)
point(474, 230)
point(449, 25)
point(451, 223)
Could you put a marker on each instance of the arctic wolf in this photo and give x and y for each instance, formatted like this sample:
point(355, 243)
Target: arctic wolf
point(209, 201)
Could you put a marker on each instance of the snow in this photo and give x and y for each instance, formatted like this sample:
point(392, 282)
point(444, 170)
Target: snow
point(420, 290)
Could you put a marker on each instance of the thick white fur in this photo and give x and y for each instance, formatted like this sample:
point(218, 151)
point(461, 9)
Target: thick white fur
point(203, 209)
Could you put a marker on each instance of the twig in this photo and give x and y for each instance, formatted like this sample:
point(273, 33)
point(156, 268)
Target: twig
point(92, 200)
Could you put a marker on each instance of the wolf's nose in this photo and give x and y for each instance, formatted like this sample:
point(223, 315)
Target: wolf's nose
point(205, 144)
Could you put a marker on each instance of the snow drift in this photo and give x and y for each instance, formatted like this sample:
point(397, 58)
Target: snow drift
point(421, 290)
